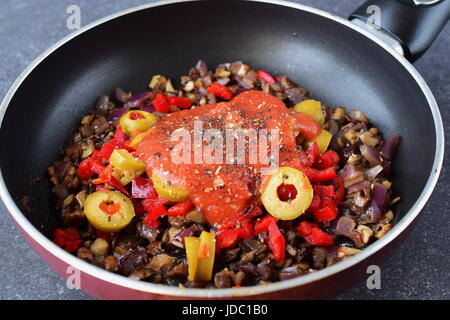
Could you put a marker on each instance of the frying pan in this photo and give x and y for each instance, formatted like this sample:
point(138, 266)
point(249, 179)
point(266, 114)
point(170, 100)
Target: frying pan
point(340, 63)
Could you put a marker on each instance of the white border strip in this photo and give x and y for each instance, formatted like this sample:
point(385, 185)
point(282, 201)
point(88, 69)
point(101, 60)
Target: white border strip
point(245, 291)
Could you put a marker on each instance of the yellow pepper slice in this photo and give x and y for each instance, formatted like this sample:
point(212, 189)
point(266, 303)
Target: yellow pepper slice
point(291, 209)
point(108, 211)
point(123, 160)
point(323, 141)
point(137, 120)
point(169, 192)
point(200, 254)
point(192, 244)
point(312, 108)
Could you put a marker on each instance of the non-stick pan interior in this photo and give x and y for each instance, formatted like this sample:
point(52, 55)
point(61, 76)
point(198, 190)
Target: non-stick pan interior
point(338, 65)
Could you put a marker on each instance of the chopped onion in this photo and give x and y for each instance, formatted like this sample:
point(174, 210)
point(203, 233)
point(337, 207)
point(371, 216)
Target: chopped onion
point(186, 232)
point(372, 173)
point(201, 68)
point(380, 195)
point(116, 114)
point(350, 172)
point(121, 95)
point(370, 154)
point(358, 186)
point(137, 99)
point(389, 146)
point(345, 226)
point(359, 116)
point(372, 214)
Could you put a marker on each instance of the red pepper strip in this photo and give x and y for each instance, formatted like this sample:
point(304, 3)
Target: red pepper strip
point(340, 190)
point(67, 239)
point(120, 136)
point(312, 234)
point(108, 148)
point(316, 176)
point(315, 203)
point(227, 238)
point(183, 103)
point(148, 204)
point(85, 169)
point(262, 224)
point(328, 210)
point(155, 212)
point(254, 212)
point(227, 224)
point(138, 208)
point(116, 184)
point(312, 153)
point(221, 91)
point(160, 103)
point(324, 191)
point(263, 75)
point(180, 208)
point(276, 242)
point(104, 176)
point(143, 189)
point(88, 167)
point(246, 231)
point(326, 160)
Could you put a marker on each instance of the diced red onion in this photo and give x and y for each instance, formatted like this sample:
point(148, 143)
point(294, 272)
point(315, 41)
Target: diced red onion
point(373, 213)
point(137, 99)
point(241, 82)
point(350, 172)
point(370, 154)
point(116, 114)
point(250, 78)
point(295, 95)
point(224, 81)
point(380, 195)
point(186, 232)
point(148, 108)
point(121, 95)
point(358, 186)
point(389, 146)
point(201, 68)
point(345, 226)
point(62, 170)
point(240, 90)
point(372, 173)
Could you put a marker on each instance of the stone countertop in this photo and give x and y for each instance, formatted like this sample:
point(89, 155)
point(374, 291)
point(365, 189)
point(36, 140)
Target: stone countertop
point(419, 270)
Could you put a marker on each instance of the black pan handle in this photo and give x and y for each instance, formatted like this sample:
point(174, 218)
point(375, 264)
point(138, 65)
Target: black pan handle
point(413, 23)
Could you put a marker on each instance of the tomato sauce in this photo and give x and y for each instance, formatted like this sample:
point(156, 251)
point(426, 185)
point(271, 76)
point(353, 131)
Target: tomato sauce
point(225, 190)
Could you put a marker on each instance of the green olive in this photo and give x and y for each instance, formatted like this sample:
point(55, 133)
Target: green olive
point(123, 160)
point(137, 121)
point(312, 108)
point(293, 208)
point(108, 211)
point(168, 191)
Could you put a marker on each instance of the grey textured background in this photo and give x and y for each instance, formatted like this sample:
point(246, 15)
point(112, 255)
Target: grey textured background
point(420, 270)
